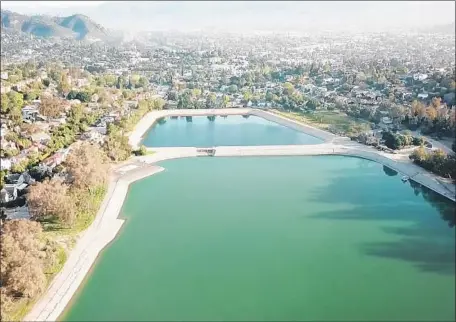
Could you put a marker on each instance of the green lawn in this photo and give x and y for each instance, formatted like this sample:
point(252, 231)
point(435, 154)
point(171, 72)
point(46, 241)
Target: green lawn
point(335, 122)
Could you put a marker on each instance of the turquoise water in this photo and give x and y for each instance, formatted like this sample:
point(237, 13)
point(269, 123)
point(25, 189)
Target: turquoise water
point(233, 130)
point(324, 238)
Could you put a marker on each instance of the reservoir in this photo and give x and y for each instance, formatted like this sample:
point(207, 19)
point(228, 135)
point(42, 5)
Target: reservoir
point(233, 130)
point(315, 238)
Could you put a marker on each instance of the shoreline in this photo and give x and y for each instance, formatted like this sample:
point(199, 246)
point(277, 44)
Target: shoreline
point(107, 223)
point(80, 260)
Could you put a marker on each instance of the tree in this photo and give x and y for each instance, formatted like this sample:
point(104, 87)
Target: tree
point(431, 113)
point(419, 154)
point(51, 107)
point(87, 166)
point(288, 89)
point(83, 97)
point(226, 100)
point(232, 88)
point(2, 178)
point(210, 100)
point(392, 140)
point(15, 100)
point(20, 167)
point(158, 104)
point(141, 151)
point(247, 96)
point(417, 141)
point(72, 95)
point(5, 103)
point(117, 147)
point(312, 104)
point(196, 92)
point(143, 82)
point(436, 101)
point(21, 264)
point(46, 82)
point(51, 199)
point(63, 86)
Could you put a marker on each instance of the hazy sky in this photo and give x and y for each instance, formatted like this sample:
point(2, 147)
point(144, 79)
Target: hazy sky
point(245, 15)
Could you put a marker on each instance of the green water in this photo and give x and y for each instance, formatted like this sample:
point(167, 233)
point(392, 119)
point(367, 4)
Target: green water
point(325, 238)
point(233, 130)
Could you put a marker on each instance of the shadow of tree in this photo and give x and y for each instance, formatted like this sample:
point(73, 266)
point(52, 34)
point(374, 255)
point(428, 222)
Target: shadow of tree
point(390, 172)
point(426, 255)
point(428, 243)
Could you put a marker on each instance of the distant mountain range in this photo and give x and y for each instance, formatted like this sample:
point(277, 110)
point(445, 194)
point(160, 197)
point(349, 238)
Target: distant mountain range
point(445, 28)
point(76, 26)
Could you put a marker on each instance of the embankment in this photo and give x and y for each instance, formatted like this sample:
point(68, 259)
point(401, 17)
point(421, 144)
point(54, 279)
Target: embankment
point(102, 231)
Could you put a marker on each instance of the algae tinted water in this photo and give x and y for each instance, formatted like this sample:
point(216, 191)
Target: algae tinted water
point(325, 238)
point(233, 130)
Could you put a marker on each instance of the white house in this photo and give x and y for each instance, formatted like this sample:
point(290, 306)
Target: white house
point(5, 164)
point(29, 112)
point(386, 120)
point(40, 137)
point(420, 77)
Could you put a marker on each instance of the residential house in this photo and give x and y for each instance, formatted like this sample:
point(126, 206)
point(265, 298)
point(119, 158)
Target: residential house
point(57, 158)
point(5, 89)
point(6, 145)
point(5, 164)
point(3, 131)
point(93, 136)
point(30, 113)
point(100, 128)
point(93, 106)
point(420, 77)
point(40, 137)
point(8, 194)
point(170, 105)
point(80, 82)
point(423, 95)
point(17, 213)
point(14, 185)
point(131, 104)
point(386, 121)
point(74, 102)
point(36, 103)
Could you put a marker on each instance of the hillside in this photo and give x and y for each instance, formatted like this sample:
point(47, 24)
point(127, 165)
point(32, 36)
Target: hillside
point(74, 26)
point(82, 26)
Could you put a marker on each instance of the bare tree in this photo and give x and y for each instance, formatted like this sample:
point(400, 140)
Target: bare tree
point(21, 264)
point(51, 106)
point(51, 198)
point(88, 166)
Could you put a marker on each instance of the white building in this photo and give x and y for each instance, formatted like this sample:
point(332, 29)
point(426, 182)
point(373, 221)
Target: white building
point(5, 164)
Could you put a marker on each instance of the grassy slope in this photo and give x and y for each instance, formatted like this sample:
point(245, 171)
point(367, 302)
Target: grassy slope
point(334, 122)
